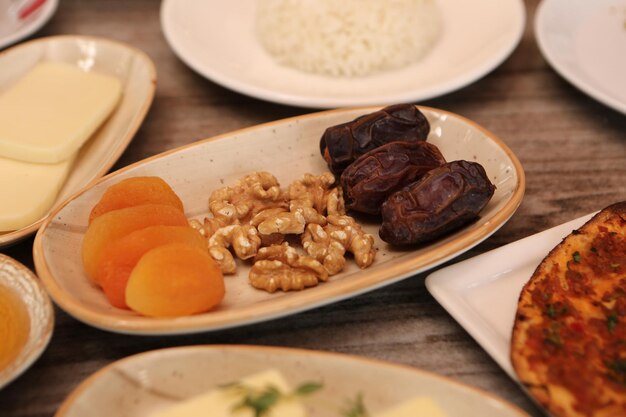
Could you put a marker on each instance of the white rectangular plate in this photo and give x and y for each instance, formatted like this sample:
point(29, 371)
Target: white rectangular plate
point(481, 293)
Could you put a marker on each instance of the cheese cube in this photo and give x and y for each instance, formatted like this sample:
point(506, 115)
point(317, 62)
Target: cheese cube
point(27, 191)
point(419, 406)
point(48, 114)
point(222, 402)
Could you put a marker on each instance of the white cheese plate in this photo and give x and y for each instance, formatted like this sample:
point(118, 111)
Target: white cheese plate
point(132, 67)
point(143, 384)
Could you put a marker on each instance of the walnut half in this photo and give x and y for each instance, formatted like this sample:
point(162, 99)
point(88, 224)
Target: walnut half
point(282, 267)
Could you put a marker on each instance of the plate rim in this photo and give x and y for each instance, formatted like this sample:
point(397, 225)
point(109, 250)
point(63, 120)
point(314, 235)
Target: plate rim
point(562, 69)
point(235, 349)
point(42, 343)
point(307, 300)
point(15, 236)
point(44, 16)
point(262, 93)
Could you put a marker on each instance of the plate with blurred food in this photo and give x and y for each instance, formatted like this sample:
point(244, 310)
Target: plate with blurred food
point(275, 219)
point(326, 54)
point(69, 106)
point(549, 309)
point(230, 380)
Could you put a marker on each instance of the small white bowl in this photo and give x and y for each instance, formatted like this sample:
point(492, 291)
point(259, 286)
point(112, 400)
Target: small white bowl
point(26, 285)
point(131, 66)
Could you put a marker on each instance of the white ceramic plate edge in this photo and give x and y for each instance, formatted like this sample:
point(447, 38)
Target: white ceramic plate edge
point(47, 11)
point(562, 69)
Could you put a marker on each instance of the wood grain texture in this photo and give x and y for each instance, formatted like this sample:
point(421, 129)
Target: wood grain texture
point(573, 150)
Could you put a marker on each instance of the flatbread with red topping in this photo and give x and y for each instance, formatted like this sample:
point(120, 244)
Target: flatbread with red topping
point(569, 338)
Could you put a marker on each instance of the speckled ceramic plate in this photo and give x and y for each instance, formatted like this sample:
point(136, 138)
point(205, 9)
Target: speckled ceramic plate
point(146, 383)
point(288, 149)
point(138, 77)
point(22, 282)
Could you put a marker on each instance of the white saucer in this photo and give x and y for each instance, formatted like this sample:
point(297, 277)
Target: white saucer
point(585, 42)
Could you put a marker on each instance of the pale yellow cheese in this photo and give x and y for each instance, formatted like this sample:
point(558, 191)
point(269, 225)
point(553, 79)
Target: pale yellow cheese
point(27, 191)
point(418, 406)
point(222, 402)
point(48, 114)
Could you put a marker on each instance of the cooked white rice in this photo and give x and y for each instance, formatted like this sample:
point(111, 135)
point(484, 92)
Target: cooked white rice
point(347, 37)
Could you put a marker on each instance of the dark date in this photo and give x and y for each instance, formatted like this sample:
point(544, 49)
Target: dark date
point(340, 145)
point(369, 180)
point(443, 200)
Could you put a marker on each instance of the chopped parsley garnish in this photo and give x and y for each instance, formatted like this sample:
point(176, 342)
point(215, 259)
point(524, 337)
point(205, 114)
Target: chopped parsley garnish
point(553, 336)
point(355, 408)
point(576, 257)
point(261, 400)
point(611, 321)
point(617, 370)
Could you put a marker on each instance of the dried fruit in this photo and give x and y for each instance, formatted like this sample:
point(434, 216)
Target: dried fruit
point(369, 180)
point(110, 226)
point(120, 257)
point(136, 191)
point(340, 145)
point(444, 199)
point(175, 280)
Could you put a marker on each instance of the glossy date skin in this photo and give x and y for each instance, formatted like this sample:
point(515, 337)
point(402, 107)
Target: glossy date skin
point(443, 200)
point(369, 180)
point(340, 145)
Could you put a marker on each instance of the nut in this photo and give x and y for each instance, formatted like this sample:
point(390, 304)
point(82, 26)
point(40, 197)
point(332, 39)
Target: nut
point(282, 267)
point(318, 192)
point(244, 240)
point(253, 193)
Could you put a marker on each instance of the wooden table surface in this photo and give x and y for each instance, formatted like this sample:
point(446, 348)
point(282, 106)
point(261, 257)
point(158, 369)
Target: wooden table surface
point(573, 150)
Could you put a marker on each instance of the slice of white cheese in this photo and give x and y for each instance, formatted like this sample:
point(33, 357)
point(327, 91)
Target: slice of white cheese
point(48, 114)
point(27, 191)
point(419, 406)
point(222, 402)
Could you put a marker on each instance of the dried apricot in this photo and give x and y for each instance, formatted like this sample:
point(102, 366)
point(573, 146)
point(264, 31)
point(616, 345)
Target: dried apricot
point(136, 191)
point(175, 280)
point(120, 257)
point(110, 226)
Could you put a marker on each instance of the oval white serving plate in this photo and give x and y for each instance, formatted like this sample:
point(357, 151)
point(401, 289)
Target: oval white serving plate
point(142, 384)
point(287, 148)
point(26, 285)
point(14, 28)
point(585, 42)
point(217, 40)
point(137, 74)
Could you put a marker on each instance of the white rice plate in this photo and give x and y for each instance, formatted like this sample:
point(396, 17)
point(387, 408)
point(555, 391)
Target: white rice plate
point(347, 38)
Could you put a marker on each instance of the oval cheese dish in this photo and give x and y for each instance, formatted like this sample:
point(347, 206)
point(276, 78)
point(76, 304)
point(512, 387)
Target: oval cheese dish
point(288, 149)
point(144, 385)
point(135, 74)
point(27, 316)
